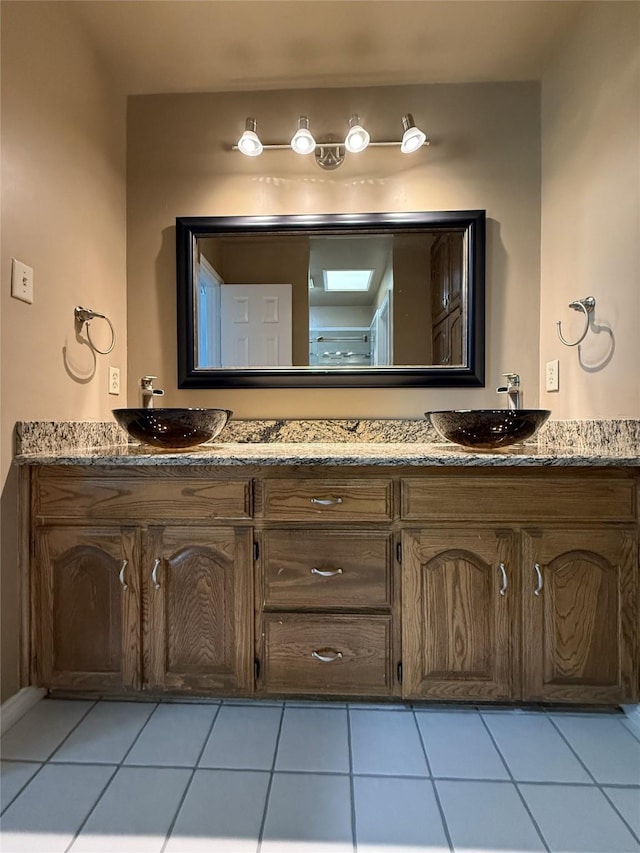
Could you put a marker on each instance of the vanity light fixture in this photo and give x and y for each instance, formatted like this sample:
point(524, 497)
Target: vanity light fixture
point(329, 153)
point(412, 138)
point(357, 138)
point(249, 143)
point(302, 141)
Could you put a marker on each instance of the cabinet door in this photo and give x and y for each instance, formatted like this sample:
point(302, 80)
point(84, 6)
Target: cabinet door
point(86, 585)
point(200, 605)
point(458, 597)
point(579, 609)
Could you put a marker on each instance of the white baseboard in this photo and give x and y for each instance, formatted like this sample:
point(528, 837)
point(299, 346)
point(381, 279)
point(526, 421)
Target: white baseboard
point(18, 705)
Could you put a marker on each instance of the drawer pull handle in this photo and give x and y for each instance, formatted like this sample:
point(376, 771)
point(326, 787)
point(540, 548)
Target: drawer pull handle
point(326, 573)
point(538, 589)
point(504, 586)
point(121, 575)
point(154, 574)
point(326, 655)
point(326, 501)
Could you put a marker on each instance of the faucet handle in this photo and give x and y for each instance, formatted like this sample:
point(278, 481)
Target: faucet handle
point(147, 381)
point(512, 378)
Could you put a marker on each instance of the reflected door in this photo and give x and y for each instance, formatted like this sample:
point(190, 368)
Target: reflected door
point(256, 327)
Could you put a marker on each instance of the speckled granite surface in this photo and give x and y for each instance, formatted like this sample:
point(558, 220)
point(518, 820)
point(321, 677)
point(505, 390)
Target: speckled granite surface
point(64, 436)
point(48, 436)
point(325, 442)
point(616, 435)
point(323, 453)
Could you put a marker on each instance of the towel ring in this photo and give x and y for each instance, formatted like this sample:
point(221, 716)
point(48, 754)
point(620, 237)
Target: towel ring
point(586, 305)
point(86, 315)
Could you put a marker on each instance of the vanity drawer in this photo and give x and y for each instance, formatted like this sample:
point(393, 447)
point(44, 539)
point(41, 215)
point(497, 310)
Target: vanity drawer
point(346, 499)
point(105, 497)
point(517, 499)
point(327, 654)
point(329, 568)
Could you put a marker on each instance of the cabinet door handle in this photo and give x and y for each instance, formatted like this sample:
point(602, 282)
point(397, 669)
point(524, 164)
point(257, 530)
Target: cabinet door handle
point(326, 655)
point(326, 573)
point(538, 589)
point(154, 574)
point(505, 584)
point(121, 575)
point(326, 501)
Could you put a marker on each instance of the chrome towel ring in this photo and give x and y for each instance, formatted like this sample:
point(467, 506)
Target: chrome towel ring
point(586, 305)
point(86, 315)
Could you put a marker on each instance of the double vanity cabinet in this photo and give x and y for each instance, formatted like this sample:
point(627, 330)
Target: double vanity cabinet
point(412, 582)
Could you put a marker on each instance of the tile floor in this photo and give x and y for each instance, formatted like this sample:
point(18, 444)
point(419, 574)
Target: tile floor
point(296, 777)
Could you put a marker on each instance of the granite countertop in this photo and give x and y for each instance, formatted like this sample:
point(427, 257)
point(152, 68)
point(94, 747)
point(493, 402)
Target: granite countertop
point(339, 453)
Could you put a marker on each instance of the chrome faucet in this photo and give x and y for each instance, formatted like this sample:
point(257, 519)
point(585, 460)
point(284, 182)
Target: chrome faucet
point(148, 392)
point(512, 390)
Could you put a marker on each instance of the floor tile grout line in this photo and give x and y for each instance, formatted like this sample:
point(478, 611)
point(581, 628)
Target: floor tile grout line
point(68, 735)
point(631, 727)
point(636, 835)
point(434, 787)
point(515, 784)
point(92, 809)
point(46, 761)
point(267, 797)
point(574, 751)
point(601, 785)
point(117, 768)
point(187, 787)
point(17, 794)
point(354, 834)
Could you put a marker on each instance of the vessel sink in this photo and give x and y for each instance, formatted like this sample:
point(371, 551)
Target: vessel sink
point(488, 429)
point(172, 428)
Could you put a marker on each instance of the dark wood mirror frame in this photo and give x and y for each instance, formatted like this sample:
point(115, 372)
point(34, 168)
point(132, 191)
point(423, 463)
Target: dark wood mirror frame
point(188, 229)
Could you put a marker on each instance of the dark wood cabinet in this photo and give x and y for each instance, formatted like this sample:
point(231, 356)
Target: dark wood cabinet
point(87, 608)
point(458, 634)
point(446, 287)
point(579, 615)
point(469, 584)
point(198, 586)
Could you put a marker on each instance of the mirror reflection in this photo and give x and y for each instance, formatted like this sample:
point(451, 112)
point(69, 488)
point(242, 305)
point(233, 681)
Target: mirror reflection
point(331, 301)
point(351, 300)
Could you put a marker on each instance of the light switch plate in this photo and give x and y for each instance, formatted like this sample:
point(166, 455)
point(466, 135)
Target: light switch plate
point(553, 375)
point(21, 281)
point(114, 380)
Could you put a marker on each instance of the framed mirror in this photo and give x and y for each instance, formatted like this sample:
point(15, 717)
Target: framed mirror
point(341, 300)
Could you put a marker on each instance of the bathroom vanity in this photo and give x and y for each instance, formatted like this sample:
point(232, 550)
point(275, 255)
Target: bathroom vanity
point(378, 571)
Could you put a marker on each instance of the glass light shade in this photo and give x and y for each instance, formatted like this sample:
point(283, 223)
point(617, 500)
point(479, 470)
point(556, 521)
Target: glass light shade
point(413, 138)
point(303, 141)
point(249, 143)
point(357, 138)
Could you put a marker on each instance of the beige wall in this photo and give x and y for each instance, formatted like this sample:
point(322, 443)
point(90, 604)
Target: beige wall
point(63, 213)
point(485, 153)
point(591, 213)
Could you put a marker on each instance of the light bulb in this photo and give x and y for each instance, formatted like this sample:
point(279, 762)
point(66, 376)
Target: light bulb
point(357, 138)
point(249, 143)
point(413, 138)
point(302, 141)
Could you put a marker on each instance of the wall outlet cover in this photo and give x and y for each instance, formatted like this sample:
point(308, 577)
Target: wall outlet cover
point(21, 281)
point(114, 380)
point(552, 375)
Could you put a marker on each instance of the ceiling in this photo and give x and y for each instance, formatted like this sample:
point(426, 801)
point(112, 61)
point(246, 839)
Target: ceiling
point(158, 46)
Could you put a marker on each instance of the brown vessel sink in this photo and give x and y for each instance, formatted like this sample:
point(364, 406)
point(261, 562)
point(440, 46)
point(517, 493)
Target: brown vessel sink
point(172, 428)
point(488, 429)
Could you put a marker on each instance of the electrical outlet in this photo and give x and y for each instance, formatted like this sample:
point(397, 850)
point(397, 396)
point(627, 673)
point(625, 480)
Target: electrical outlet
point(553, 375)
point(114, 380)
point(21, 281)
